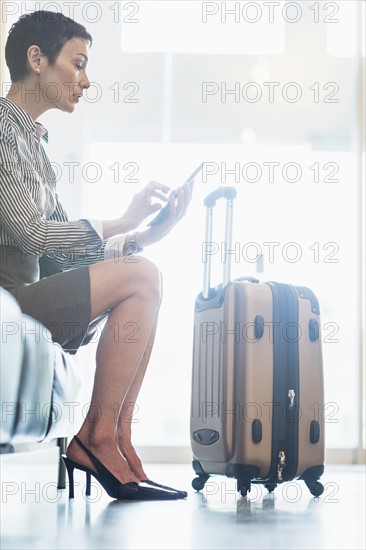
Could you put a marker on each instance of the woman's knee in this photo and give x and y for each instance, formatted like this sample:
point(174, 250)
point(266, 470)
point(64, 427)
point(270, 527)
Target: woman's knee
point(112, 282)
point(147, 278)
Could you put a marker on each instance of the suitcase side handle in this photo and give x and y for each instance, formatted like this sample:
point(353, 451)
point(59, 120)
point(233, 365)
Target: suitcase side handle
point(228, 193)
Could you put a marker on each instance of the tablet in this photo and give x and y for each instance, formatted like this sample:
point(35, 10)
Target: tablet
point(163, 213)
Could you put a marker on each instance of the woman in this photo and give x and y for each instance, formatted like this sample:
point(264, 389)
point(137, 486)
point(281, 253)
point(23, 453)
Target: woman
point(47, 56)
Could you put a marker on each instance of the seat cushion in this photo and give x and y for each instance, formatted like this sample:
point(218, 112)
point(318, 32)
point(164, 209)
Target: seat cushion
point(38, 379)
point(11, 360)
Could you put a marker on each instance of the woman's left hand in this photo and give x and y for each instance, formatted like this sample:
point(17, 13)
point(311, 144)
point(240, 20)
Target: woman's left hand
point(178, 204)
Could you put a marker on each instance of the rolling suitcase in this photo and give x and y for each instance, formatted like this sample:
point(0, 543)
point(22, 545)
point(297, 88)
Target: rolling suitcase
point(257, 378)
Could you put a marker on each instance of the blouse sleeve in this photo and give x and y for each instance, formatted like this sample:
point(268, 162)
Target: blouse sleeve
point(69, 243)
point(90, 254)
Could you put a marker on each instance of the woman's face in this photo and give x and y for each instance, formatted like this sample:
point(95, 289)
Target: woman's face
point(64, 83)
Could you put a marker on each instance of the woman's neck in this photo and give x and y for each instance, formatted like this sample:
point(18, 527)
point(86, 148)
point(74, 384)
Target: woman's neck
point(26, 94)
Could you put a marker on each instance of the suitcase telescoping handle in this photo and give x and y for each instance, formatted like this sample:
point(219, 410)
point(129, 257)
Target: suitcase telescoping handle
point(228, 193)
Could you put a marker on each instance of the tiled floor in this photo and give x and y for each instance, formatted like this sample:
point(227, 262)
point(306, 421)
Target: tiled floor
point(35, 515)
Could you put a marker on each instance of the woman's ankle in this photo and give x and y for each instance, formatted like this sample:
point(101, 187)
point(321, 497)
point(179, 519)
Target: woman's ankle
point(97, 438)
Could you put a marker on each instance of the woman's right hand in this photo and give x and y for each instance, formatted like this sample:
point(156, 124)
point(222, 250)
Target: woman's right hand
point(178, 205)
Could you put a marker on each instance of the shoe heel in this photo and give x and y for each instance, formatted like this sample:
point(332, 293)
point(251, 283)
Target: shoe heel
point(70, 472)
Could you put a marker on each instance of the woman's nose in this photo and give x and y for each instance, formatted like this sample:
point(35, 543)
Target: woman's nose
point(85, 83)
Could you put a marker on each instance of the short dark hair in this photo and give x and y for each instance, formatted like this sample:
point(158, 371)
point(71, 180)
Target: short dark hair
point(47, 29)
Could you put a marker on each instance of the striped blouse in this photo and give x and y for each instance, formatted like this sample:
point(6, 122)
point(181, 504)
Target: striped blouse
point(31, 215)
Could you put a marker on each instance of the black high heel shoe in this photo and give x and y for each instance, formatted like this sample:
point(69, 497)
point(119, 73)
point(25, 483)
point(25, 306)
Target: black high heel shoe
point(115, 489)
point(181, 494)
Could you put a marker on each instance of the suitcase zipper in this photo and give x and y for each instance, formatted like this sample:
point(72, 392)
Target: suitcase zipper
point(292, 382)
point(291, 395)
point(278, 434)
point(282, 455)
point(285, 387)
point(281, 465)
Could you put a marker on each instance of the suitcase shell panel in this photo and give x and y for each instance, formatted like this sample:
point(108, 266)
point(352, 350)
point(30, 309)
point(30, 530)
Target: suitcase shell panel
point(213, 383)
point(254, 376)
point(311, 391)
point(232, 381)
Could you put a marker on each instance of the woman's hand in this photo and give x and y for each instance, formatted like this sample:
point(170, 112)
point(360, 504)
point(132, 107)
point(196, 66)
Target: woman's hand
point(178, 204)
point(142, 206)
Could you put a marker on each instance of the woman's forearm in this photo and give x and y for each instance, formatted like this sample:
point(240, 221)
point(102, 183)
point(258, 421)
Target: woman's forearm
point(119, 226)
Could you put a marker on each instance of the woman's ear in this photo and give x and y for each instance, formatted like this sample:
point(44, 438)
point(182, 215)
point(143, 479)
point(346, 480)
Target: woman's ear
point(35, 58)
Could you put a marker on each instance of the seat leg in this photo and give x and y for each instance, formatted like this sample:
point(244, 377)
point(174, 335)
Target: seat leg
point(61, 477)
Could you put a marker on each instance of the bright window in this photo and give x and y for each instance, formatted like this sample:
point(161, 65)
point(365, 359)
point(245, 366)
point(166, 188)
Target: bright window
point(341, 40)
point(251, 28)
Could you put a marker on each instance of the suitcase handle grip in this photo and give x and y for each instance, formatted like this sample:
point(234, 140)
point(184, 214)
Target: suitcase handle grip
point(220, 193)
point(228, 193)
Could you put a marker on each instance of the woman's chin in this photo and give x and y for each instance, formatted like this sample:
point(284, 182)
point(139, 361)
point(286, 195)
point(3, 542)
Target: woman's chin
point(67, 107)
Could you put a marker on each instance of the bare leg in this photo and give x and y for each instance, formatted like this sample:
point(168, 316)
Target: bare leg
point(126, 416)
point(132, 292)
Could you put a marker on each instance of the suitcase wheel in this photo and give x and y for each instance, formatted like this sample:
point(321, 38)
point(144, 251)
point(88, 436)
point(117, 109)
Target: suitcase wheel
point(199, 482)
point(244, 491)
point(315, 488)
point(243, 487)
point(270, 487)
